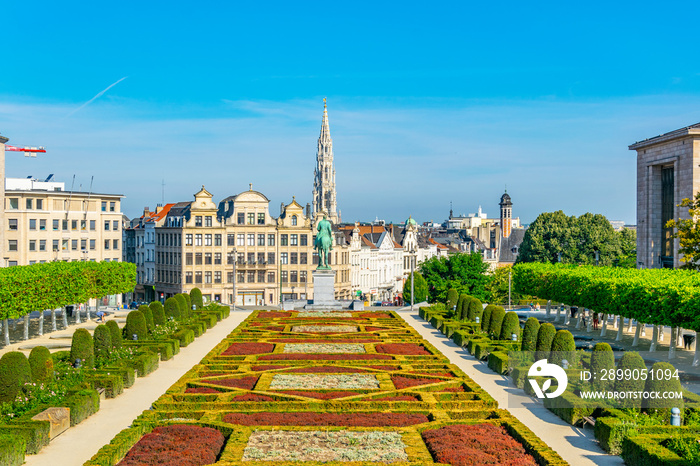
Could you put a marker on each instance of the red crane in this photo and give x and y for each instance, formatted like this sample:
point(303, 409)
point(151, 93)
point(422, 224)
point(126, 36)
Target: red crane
point(28, 151)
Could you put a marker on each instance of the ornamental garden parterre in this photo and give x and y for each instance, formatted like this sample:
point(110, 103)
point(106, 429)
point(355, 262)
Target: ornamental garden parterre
point(355, 388)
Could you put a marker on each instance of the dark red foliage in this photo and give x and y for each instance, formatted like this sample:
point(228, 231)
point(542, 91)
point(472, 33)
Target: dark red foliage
point(212, 374)
point(324, 340)
point(394, 398)
point(375, 315)
point(326, 419)
point(322, 357)
point(465, 445)
point(405, 382)
point(371, 328)
point(436, 374)
point(275, 328)
point(176, 445)
point(326, 370)
point(201, 390)
point(273, 315)
point(410, 349)
point(248, 348)
point(258, 324)
point(319, 395)
point(246, 383)
point(385, 368)
point(252, 397)
point(266, 368)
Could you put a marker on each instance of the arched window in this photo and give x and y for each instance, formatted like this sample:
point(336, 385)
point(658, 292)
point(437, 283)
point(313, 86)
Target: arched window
point(294, 220)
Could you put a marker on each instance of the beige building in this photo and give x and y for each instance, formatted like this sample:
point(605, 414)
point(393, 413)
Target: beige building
point(668, 170)
point(3, 140)
point(44, 222)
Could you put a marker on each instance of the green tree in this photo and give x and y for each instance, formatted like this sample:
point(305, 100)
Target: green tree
point(420, 288)
point(627, 238)
point(41, 364)
point(688, 233)
point(465, 272)
point(82, 347)
point(15, 371)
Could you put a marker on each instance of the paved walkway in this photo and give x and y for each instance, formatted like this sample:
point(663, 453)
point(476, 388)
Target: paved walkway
point(577, 446)
point(78, 444)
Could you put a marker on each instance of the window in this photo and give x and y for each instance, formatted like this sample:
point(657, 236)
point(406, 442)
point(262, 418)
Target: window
point(14, 203)
point(55, 245)
point(74, 244)
point(283, 258)
point(295, 240)
point(198, 239)
point(207, 221)
point(115, 244)
point(55, 224)
point(198, 277)
point(251, 239)
point(207, 258)
point(241, 218)
point(261, 276)
point(64, 225)
point(115, 225)
point(188, 239)
point(207, 277)
point(302, 276)
point(12, 263)
point(198, 258)
point(92, 225)
point(261, 219)
point(293, 258)
point(229, 277)
point(188, 258)
point(271, 239)
point(230, 240)
point(198, 221)
point(104, 206)
point(12, 223)
point(240, 258)
point(229, 258)
point(32, 245)
point(64, 245)
point(293, 276)
point(251, 276)
point(294, 220)
point(240, 239)
point(240, 276)
point(217, 258)
point(271, 277)
point(217, 276)
point(74, 225)
point(106, 244)
point(83, 225)
point(261, 239)
point(251, 218)
point(83, 245)
point(251, 258)
point(92, 244)
point(39, 204)
point(207, 240)
point(32, 224)
point(302, 258)
point(283, 275)
point(42, 224)
point(284, 240)
point(12, 245)
point(106, 225)
point(270, 257)
point(217, 240)
point(261, 258)
point(188, 277)
point(42, 245)
point(29, 204)
point(112, 206)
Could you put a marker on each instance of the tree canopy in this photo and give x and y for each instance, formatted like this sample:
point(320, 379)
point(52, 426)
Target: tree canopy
point(465, 272)
point(688, 233)
point(420, 288)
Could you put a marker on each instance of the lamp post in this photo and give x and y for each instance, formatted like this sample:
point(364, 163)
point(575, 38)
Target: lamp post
point(509, 281)
point(597, 257)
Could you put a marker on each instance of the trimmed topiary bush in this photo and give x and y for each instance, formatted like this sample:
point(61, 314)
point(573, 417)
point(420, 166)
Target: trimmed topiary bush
point(475, 308)
point(630, 361)
point(460, 305)
point(41, 364)
point(182, 304)
point(189, 303)
point(529, 340)
point(148, 315)
point(172, 309)
point(115, 333)
point(663, 378)
point(15, 371)
point(602, 360)
point(158, 313)
point(102, 341)
point(82, 348)
point(496, 321)
point(486, 317)
point(563, 348)
point(510, 325)
point(452, 298)
point(135, 325)
point(544, 340)
point(196, 298)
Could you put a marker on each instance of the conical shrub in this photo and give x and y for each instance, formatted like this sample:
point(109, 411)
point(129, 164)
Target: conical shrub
point(510, 326)
point(102, 341)
point(41, 364)
point(135, 325)
point(82, 348)
point(529, 340)
point(15, 371)
point(602, 362)
point(545, 336)
point(148, 315)
point(196, 298)
point(172, 309)
point(158, 313)
point(115, 333)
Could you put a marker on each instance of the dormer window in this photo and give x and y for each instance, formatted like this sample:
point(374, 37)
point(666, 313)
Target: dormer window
point(294, 220)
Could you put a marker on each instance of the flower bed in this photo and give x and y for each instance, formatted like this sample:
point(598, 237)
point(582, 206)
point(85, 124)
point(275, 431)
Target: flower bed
point(326, 370)
point(410, 349)
point(405, 382)
point(323, 357)
point(324, 382)
point(394, 398)
point(176, 445)
point(463, 445)
point(248, 348)
point(386, 447)
point(266, 368)
point(324, 348)
point(307, 314)
point(320, 340)
point(324, 329)
point(375, 315)
point(326, 419)
point(319, 395)
point(252, 397)
point(202, 390)
point(246, 383)
point(273, 315)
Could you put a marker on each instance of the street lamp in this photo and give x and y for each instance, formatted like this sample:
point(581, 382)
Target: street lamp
point(597, 257)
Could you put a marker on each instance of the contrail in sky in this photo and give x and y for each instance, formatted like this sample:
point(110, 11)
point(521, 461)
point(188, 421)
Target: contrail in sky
point(99, 94)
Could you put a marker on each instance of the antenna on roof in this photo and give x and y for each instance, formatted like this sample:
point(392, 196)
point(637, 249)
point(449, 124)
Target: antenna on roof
point(162, 194)
point(87, 203)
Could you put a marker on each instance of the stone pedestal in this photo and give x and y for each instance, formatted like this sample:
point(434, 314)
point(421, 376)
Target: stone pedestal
point(59, 419)
point(324, 287)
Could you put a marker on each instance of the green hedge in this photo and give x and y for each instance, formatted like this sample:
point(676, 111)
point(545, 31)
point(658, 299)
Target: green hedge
point(647, 450)
point(144, 364)
point(12, 450)
point(185, 336)
point(127, 373)
point(498, 362)
point(569, 407)
point(82, 404)
point(34, 434)
point(113, 384)
point(165, 349)
point(436, 321)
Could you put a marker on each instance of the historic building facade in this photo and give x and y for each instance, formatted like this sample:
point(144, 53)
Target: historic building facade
point(324, 195)
point(668, 171)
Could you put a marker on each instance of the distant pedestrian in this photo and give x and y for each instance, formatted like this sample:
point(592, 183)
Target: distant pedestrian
point(595, 321)
point(537, 306)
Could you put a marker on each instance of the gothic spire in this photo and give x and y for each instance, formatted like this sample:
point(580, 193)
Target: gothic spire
point(324, 197)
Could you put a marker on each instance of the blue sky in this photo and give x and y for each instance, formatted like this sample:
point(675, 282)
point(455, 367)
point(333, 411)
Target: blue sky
point(428, 103)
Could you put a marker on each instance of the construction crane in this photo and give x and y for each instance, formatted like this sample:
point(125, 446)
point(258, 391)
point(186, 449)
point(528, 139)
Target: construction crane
point(28, 151)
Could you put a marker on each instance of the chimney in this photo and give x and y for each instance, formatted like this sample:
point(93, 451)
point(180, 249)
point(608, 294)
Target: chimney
point(146, 211)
